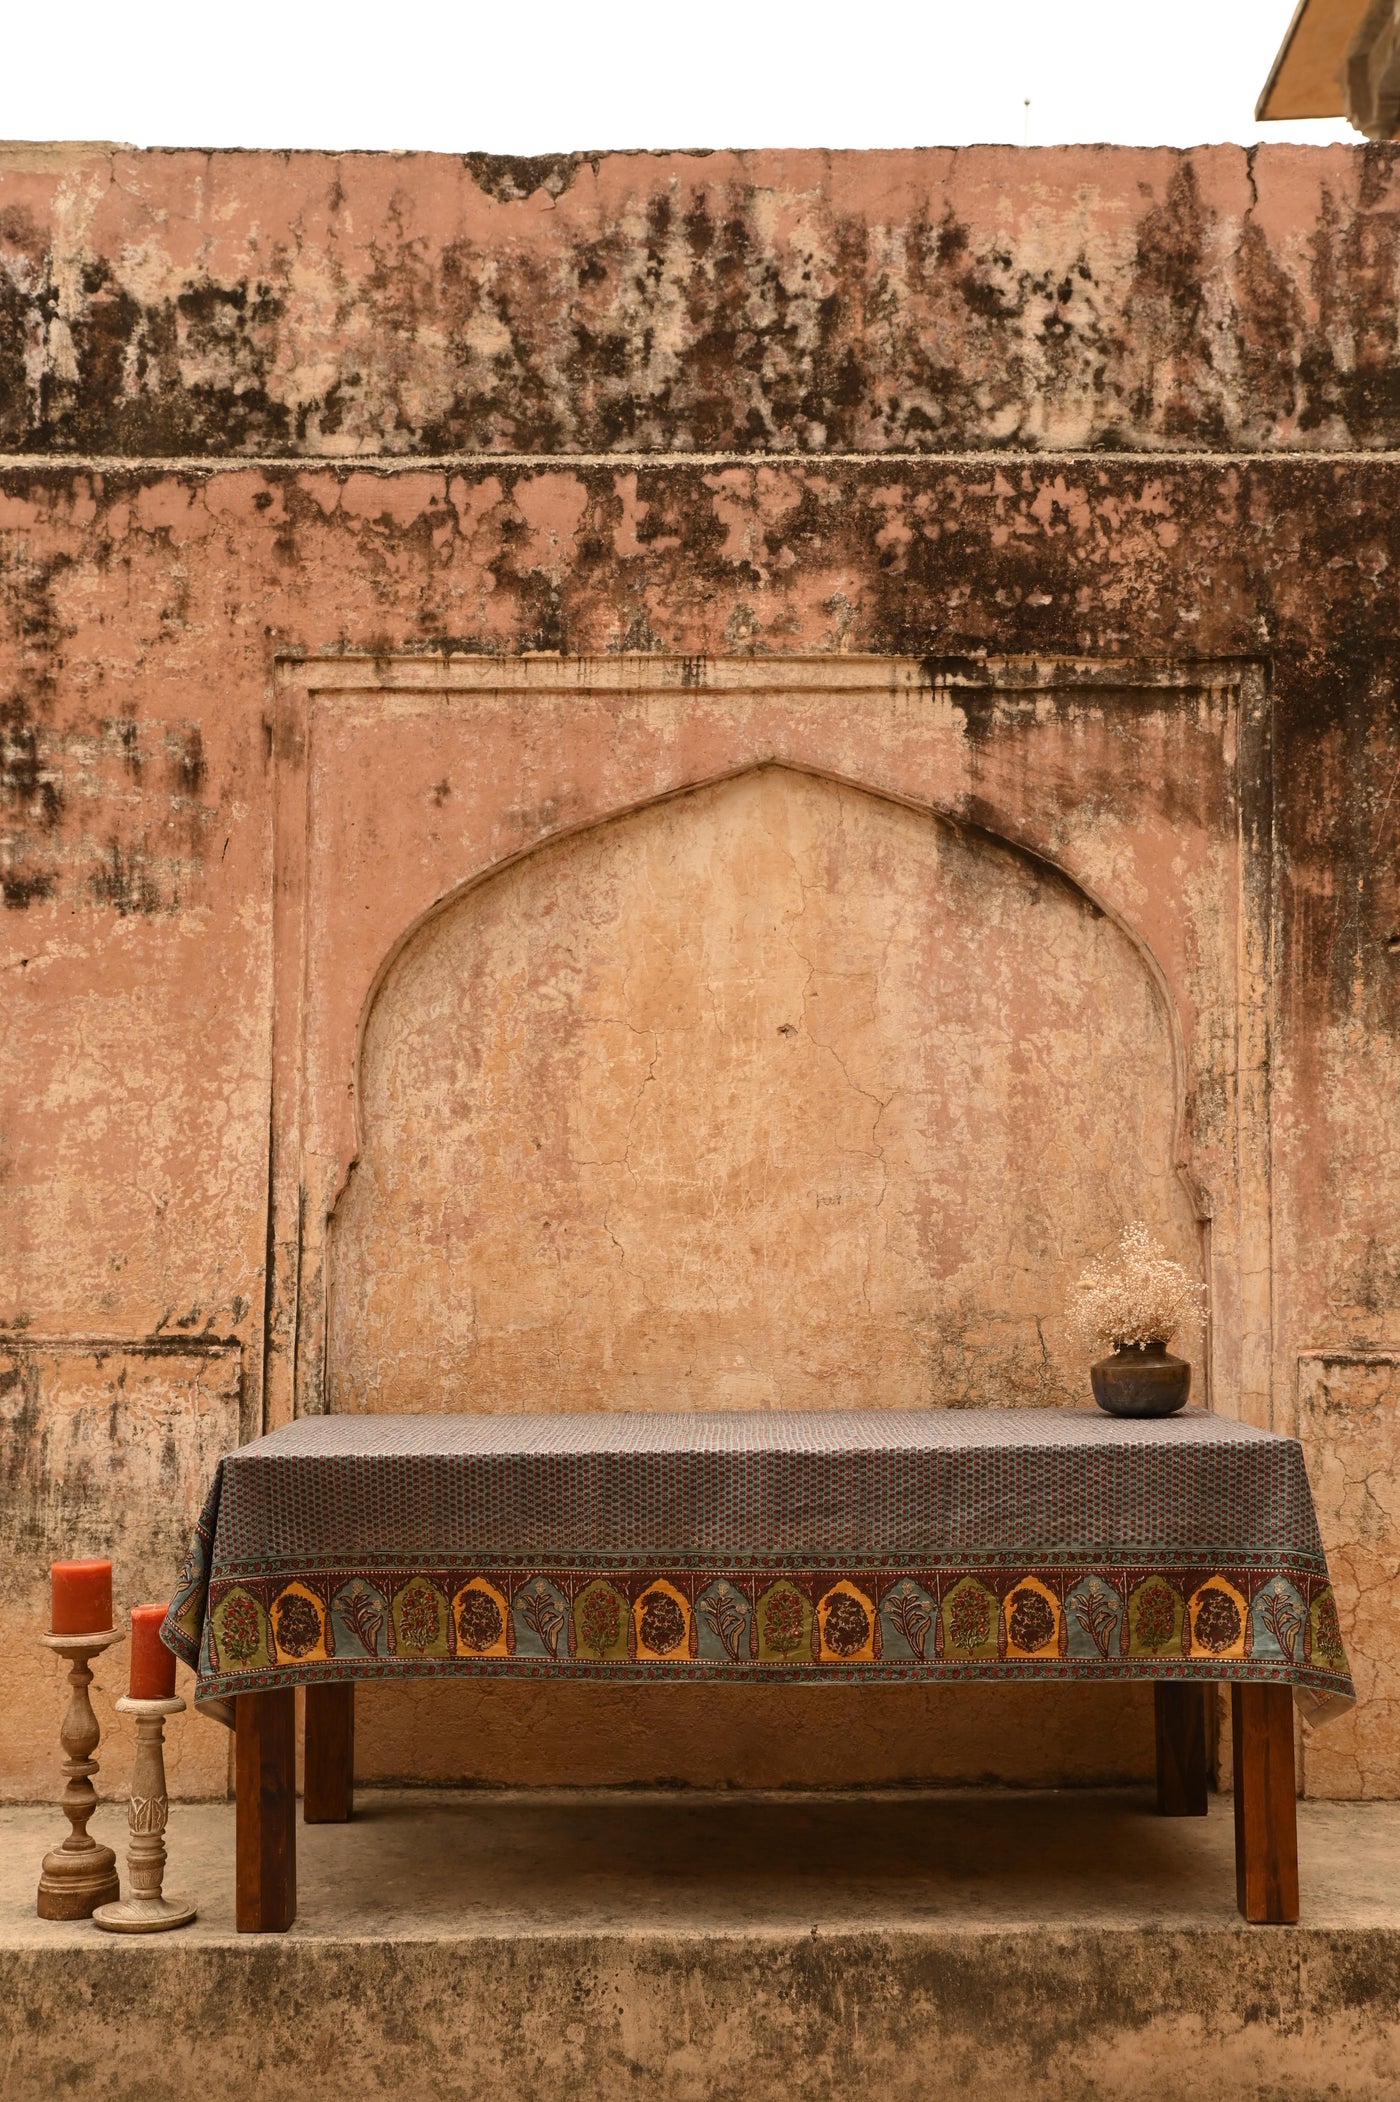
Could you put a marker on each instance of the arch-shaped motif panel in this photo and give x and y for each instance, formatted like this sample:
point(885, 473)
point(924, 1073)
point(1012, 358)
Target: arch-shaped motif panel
point(776, 1093)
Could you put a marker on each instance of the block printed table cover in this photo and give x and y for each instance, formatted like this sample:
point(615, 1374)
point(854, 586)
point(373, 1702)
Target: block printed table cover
point(817, 1545)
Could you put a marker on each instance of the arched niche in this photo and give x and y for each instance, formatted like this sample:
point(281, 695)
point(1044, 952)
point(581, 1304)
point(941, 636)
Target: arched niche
point(776, 1093)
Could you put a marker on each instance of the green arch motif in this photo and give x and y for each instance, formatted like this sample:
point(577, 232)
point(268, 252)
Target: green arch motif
point(600, 1622)
point(420, 1619)
point(784, 1624)
point(240, 1631)
point(971, 1617)
point(1156, 1619)
point(1325, 1644)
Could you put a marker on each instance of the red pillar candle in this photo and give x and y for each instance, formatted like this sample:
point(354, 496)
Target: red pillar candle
point(82, 1598)
point(152, 1664)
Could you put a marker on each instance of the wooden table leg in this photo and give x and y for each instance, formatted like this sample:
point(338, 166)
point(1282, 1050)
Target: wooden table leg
point(1181, 1747)
point(1266, 1808)
point(328, 1792)
point(266, 1811)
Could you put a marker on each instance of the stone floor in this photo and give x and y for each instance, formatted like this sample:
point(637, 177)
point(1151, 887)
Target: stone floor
point(521, 1948)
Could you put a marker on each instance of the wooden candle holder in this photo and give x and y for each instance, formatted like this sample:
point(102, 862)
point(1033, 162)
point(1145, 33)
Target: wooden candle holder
point(80, 1875)
point(147, 1910)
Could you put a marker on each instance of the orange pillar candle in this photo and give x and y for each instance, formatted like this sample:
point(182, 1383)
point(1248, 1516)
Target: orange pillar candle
point(152, 1664)
point(82, 1598)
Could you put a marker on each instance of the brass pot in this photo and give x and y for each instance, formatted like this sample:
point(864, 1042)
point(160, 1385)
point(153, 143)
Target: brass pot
point(1141, 1379)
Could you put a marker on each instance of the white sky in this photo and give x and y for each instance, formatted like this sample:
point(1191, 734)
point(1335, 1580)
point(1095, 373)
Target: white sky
point(539, 76)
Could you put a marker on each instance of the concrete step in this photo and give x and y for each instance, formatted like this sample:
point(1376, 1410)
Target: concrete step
point(907, 1946)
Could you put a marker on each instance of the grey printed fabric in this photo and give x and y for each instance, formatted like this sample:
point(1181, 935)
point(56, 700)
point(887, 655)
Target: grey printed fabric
point(908, 1543)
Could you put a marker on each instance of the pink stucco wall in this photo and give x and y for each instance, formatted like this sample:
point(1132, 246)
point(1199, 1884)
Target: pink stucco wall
point(1094, 449)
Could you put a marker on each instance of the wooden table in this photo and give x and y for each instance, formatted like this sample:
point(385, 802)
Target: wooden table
point(867, 1547)
point(1266, 1823)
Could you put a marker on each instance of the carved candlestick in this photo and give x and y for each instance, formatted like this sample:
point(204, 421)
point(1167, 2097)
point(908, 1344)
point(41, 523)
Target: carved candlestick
point(81, 1874)
point(146, 1910)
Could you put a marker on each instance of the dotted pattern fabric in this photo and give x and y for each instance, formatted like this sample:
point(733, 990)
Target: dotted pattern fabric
point(801, 1482)
point(797, 1545)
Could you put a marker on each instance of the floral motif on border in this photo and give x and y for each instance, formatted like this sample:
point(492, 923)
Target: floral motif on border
point(762, 1621)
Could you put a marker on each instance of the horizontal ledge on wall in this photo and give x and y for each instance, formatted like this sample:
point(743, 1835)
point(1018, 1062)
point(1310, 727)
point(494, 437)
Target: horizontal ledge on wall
point(827, 673)
point(1382, 1356)
point(345, 464)
point(118, 1346)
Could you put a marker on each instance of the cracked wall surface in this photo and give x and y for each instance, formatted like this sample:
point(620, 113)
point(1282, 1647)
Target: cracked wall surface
point(1349, 1421)
point(773, 1095)
point(1110, 406)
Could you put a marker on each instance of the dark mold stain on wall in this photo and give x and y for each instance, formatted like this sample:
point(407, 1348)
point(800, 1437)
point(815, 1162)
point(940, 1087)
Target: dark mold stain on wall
point(674, 302)
point(510, 178)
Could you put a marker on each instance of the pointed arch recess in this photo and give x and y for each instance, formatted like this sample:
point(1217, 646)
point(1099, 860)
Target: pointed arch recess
point(970, 836)
point(921, 723)
point(959, 825)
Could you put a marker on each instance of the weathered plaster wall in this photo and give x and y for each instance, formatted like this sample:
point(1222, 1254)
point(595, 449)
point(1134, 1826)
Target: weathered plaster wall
point(169, 303)
point(774, 1095)
point(903, 329)
point(107, 1448)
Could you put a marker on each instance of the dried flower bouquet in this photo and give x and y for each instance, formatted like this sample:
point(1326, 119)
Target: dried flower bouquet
point(1143, 1297)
